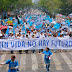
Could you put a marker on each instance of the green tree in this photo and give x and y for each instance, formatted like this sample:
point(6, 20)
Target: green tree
point(23, 3)
point(66, 6)
point(51, 5)
point(12, 4)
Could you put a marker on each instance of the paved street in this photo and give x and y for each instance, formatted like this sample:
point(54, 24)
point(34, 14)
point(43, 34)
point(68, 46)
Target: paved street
point(60, 62)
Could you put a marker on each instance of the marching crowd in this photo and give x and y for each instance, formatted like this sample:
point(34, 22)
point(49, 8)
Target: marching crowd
point(35, 25)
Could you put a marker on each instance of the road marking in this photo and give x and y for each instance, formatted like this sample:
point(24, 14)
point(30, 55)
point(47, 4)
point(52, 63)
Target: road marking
point(58, 65)
point(70, 53)
point(34, 62)
point(2, 59)
point(43, 60)
point(23, 62)
point(69, 63)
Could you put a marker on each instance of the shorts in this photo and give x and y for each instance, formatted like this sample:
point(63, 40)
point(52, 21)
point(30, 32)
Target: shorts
point(47, 61)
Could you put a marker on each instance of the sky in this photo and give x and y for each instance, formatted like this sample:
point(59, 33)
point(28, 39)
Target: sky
point(33, 1)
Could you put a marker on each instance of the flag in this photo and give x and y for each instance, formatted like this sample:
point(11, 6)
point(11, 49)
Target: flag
point(31, 23)
point(23, 28)
point(57, 26)
point(51, 20)
point(7, 31)
point(13, 30)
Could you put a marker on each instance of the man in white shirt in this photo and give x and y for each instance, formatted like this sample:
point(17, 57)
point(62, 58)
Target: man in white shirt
point(42, 35)
point(29, 34)
point(17, 30)
point(23, 35)
point(33, 37)
point(20, 27)
point(66, 36)
point(11, 37)
point(19, 37)
point(26, 38)
point(36, 34)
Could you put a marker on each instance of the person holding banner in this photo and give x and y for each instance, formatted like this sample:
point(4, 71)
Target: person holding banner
point(47, 57)
point(19, 37)
point(26, 38)
point(33, 37)
point(13, 64)
point(41, 36)
point(11, 37)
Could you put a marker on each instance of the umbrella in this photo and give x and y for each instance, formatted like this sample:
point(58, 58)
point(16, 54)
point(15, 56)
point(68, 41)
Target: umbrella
point(63, 16)
point(3, 27)
point(10, 27)
point(64, 23)
point(70, 14)
point(0, 34)
point(54, 22)
point(64, 27)
point(0, 28)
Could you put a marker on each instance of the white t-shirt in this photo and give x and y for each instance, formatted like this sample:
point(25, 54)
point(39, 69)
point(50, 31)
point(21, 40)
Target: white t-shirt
point(36, 35)
point(67, 36)
point(42, 36)
point(26, 25)
point(16, 30)
point(13, 37)
point(62, 32)
point(19, 37)
point(20, 27)
point(29, 35)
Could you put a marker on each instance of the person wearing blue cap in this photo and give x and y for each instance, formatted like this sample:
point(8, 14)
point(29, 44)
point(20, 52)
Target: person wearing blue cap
point(47, 57)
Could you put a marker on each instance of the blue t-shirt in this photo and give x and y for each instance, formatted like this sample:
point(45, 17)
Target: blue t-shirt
point(11, 65)
point(47, 54)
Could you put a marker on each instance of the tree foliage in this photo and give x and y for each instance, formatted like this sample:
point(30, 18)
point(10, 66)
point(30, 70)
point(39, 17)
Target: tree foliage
point(57, 6)
point(12, 4)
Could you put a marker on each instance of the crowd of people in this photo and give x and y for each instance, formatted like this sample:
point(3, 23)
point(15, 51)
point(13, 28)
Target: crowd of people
point(34, 24)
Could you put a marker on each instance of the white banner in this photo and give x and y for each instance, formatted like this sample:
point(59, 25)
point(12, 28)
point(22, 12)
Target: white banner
point(33, 44)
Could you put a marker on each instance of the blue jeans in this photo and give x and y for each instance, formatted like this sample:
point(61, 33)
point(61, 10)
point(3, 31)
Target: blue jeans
point(47, 62)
